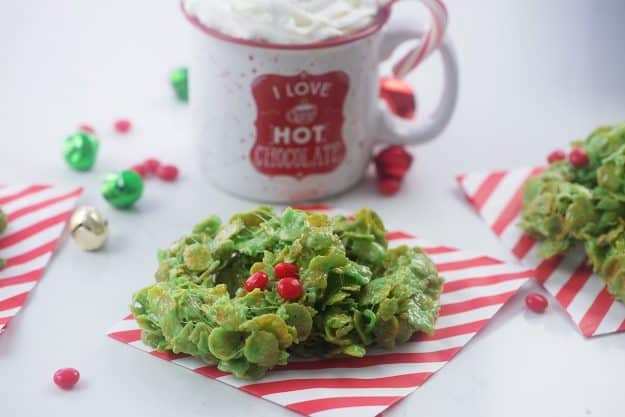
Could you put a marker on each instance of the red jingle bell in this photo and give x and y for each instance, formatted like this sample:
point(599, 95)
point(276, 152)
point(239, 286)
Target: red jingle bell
point(399, 96)
point(389, 186)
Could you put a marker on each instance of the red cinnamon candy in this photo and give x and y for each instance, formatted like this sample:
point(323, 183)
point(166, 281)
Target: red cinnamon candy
point(122, 125)
point(536, 302)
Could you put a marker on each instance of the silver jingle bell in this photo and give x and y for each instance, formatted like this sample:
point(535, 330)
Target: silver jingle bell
point(89, 228)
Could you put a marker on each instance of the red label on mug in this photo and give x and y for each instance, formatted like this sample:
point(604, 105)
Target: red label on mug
point(299, 127)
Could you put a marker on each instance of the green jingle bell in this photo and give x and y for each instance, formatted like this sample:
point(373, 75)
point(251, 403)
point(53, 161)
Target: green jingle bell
point(122, 190)
point(81, 150)
point(180, 81)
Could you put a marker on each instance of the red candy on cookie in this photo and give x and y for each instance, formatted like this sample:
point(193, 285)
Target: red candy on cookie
point(285, 269)
point(256, 280)
point(579, 157)
point(289, 288)
point(555, 156)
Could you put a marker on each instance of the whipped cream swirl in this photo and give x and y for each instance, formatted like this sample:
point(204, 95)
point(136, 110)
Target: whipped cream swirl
point(285, 21)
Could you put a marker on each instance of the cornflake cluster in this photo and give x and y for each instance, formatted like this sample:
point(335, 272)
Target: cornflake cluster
point(581, 200)
point(247, 294)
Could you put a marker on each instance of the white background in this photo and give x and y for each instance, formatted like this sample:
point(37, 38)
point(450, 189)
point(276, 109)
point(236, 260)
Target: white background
point(535, 74)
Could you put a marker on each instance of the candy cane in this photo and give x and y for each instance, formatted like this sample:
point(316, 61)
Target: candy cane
point(431, 40)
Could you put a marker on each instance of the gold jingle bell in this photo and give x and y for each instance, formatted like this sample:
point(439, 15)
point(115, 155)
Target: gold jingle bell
point(89, 228)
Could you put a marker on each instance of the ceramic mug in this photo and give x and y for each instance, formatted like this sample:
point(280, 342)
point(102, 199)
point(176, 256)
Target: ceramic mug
point(285, 123)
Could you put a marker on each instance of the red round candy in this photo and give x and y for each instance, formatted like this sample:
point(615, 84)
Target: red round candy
point(285, 269)
point(152, 164)
point(167, 172)
point(141, 169)
point(256, 280)
point(555, 156)
point(289, 288)
point(579, 158)
point(536, 302)
point(86, 129)
point(123, 126)
point(66, 378)
point(389, 186)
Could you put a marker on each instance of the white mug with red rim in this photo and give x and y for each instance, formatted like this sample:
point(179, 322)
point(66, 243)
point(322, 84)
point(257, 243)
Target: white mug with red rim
point(285, 123)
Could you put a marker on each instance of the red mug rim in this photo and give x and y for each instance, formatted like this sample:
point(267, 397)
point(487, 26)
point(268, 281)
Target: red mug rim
point(377, 24)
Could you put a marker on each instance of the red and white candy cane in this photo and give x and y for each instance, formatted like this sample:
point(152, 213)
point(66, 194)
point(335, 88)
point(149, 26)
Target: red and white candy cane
point(396, 130)
point(431, 40)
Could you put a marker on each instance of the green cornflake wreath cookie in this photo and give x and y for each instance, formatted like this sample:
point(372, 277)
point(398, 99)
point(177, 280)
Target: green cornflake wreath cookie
point(355, 291)
point(584, 203)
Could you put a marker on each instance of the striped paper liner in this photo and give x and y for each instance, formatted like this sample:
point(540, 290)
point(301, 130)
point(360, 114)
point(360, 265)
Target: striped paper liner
point(497, 196)
point(37, 215)
point(476, 287)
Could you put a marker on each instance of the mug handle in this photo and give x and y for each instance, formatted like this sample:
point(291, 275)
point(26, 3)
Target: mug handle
point(399, 131)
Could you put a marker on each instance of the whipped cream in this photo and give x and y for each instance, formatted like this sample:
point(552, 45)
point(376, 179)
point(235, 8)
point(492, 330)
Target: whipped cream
point(285, 21)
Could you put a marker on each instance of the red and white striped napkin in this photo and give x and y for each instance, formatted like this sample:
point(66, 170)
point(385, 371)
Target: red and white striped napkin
point(476, 287)
point(37, 215)
point(497, 196)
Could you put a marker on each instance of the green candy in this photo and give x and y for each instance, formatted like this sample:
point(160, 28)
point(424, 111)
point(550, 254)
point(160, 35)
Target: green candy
point(179, 81)
point(566, 206)
point(358, 293)
point(122, 190)
point(80, 151)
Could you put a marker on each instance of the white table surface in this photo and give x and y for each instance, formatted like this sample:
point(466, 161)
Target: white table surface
point(534, 75)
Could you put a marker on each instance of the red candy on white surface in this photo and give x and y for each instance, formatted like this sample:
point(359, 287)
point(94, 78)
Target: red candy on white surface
point(167, 172)
point(289, 288)
point(285, 269)
point(579, 158)
point(122, 126)
point(152, 164)
point(555, 156)
point(536, 302)
point(256, 280)
point(389, 186)
point(86, 129)
point(66, 378)
point(141, 169)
